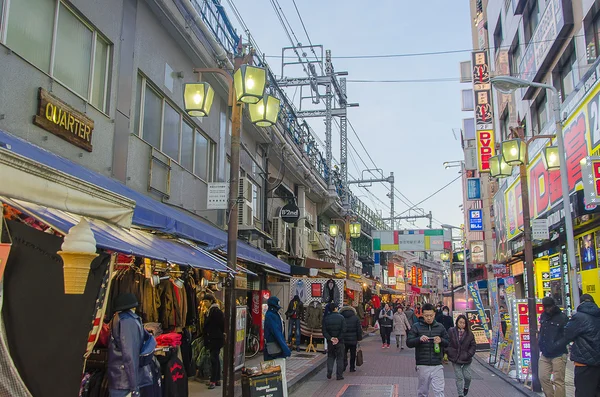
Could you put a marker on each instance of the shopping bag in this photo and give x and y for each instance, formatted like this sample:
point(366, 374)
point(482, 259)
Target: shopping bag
point(359, 356)
point(376, 325)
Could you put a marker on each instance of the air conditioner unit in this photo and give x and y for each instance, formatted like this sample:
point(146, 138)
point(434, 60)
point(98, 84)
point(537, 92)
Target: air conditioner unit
point(313, 237)
point(278, 231)
point(309, 218)
point(321, 243)
point(297, 240)
point(245, 212)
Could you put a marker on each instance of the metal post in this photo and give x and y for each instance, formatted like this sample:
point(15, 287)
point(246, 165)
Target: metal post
point(528, 249)
point(392, 195)
point(328, 117)
point(232, 237)
point(564, 181)
point(466, 268)
point(347, 224)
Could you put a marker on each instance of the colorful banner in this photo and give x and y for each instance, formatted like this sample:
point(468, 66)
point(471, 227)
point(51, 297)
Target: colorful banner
point(485, 149)
point(474, 294)
point(477, 326)
point(408, 240)
point(493, 293)
point(522, 338)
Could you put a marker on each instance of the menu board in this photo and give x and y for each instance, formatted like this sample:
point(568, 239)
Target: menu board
point(522, 338)
point(477, 327)
point(240, 337)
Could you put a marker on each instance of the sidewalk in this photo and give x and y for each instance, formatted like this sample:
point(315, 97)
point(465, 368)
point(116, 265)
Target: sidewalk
point(482, 358)
point(300, 365)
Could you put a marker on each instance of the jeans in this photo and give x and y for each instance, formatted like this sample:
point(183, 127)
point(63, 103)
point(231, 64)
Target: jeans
point(400, 341)
point(335, 353)
point(553, 366)
point(352, 350)
point(294, 322)
point(119, 393)
point(431, 375)
point(385, 335)
point(215, 366)
point(587, 381)
point(463, 377)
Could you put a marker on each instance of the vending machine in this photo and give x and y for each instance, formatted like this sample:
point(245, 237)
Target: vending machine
point(259, 310)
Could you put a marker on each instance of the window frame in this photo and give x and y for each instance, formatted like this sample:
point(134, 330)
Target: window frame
point(183, 118)
point(514, 57)
point(528, 29)
point(96, 35)
point(566, 65)
point(537, 105)
point(595, 36)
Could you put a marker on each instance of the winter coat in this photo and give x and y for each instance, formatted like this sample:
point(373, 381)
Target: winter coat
point(583, 329)
point(446, 321)
point(552, 329)
point(424, 353)
point(127, 337)
point(331, 295)
point(274, 333)
point(410, 315)
point(461, 351)
point(401, 324)
point(169, 313)
point(334, 326)
point(353, 332)
point(386, 318)
point(295, 308)
point(360, 311)
point(314, 316)
point(214, 328)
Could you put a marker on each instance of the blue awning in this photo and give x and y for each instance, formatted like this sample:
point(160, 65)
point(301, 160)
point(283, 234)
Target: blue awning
point(148, 212)
point(132, 242)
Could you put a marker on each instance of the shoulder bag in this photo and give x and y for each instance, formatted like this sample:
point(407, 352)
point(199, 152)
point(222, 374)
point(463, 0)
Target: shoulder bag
point(359, 356)
point(273, 349)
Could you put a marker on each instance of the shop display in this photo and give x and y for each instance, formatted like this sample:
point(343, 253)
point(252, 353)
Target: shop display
point(522, 345)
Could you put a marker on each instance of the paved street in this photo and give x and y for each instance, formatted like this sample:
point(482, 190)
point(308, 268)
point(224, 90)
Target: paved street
point(392, 373)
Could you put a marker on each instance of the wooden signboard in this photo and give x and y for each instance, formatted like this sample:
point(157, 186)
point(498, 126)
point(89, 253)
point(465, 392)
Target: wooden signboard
point(64, 121)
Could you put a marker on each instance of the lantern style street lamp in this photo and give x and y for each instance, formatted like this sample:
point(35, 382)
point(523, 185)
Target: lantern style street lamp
point(355, 230)
point(514, 152)
point(551, 158)
point(445, 257)
point(499, 168)
point(198, 98)
point(249, 82)
point(334, 230)
point(264, 112)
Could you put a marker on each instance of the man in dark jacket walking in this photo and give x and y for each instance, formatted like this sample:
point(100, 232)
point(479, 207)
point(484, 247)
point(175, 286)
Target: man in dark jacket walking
point(334, 327)
point(553, 360)
point(428, 337)
point(352, 336)
point(583, 329)
point(214, 338)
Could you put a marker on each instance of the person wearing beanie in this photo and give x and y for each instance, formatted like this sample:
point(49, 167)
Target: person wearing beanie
point(583, 329)
point(553, 360)
point(125, 375)
point(275, 345)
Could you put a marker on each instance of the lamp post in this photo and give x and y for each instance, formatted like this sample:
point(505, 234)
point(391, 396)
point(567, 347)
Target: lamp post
point(464, 260)
point(247, 86)
point(515, 152)
point(351, 230)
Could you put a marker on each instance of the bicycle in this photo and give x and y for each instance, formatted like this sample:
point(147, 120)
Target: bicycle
point(252, 342)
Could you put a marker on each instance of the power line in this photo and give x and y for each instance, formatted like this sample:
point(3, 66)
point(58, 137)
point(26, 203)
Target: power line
point(307, 35)
point(434, 193)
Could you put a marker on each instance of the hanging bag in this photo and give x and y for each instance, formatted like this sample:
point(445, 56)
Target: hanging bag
point(359, 356)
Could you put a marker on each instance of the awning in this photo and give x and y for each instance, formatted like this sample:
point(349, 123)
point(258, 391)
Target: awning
point(313, 263)
point(132, 241)
point(390, 291)
point(148, 213)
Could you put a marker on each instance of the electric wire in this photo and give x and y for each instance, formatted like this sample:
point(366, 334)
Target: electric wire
point(307, 35)
point(436, 192)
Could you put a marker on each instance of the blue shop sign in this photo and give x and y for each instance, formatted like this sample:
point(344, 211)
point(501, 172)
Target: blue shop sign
point(473, 189)
point(476, 220)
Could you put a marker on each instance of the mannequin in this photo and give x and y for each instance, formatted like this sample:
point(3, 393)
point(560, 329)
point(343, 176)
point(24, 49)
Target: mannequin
point(331, 292)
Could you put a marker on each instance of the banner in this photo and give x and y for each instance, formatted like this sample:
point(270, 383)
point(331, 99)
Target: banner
point(477, 327)
point(474, 294)
point(240, 337)
point(408, 240)
point(493, 292)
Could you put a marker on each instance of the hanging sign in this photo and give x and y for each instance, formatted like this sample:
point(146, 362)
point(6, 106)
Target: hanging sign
point(217, 195)
point(485, 149)
point(475, 220)
point(477, 252)
point(590, 173)
point(473, 189)
point(420, 277)
point(290, 213)
point(539, 229)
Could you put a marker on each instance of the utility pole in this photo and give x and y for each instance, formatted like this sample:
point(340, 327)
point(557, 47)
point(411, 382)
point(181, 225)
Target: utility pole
point(328, 116)
point(392, 196)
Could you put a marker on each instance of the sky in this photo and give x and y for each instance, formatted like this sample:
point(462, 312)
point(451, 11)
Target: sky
point(409, 128)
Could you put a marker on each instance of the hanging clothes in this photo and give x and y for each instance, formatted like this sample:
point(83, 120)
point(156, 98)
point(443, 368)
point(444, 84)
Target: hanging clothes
point(175, 381)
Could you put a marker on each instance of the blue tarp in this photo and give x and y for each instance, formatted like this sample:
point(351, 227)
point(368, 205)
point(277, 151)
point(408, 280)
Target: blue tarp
point(132, 242)
point(148, 212)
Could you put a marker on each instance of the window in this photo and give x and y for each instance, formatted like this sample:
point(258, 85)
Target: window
point(468, 100)
point(165, 127)
point(256, 210)
point(498, 35)
point(592, 36)
point(504, 130)
point(52, 37)
point(540, 114)
point(515, 57)
point(566, 75)
point(531, 20)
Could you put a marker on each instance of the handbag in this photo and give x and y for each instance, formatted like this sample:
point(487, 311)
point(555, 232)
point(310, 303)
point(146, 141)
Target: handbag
point(273, 349)
point(359, 356)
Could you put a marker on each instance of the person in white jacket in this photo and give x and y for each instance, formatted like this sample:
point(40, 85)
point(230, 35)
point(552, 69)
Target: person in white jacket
point(401, 327)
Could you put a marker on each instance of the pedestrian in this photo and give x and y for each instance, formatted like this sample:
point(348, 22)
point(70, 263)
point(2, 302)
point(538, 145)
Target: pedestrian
point(275, 346)
point(352, 336)
point(294, 314)
point(410, 315)
point(418, 311)
point(583, 329)
point(386, 321)
point(401, 326)
point(460, 353)
point(334, 327)
point(428, 336)
point(553, 360)
point(214, 338)
point(445, 318)
point(126, 375)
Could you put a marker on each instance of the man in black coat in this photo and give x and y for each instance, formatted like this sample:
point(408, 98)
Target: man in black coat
point(554, 357)
point(583, 329)
point(214, 331)
point(334, 327)
point(352, 336)
point(424, 336)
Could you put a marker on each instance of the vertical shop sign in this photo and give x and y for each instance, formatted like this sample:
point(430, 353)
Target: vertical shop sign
point(475, 220)
point(420, 277)
point(473, 189)
point(522, 336)
point(478, 252)
point(474, 293)
point(493, 290)
point(485, 149)
point(484, 122)
point(590, 172)
point(413, 276)
point(240, 337)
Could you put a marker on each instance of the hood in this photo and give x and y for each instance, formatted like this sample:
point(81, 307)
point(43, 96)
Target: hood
point(274, 302)
point(555, 310)
point(327, 283)
point(348, 311)
point(296, 298)
point(589, 308)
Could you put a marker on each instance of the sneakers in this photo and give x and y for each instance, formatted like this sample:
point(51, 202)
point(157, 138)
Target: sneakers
point(383, 346)
point(340, 378)
point(328, 376)
point(387, 346)
point(211, 386)
point(465, 392)
point(352, 370)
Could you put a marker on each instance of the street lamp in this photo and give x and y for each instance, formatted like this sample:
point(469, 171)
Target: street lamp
point(508, 84)
point(264, 112)
point(352, 230)
point(551, 158)
point(246, 86)
point(461, 256)
point(513, 152)
point(499, 168)
point(334, 230)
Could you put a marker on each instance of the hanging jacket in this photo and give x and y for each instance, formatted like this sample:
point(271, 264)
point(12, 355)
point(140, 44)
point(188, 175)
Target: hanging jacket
point(424, 351)
point(401, 324)
point(583, 329)
point(175, 382)
point(295, 308)
point(360, 311)
point(552, 329)
point(461, 351)
point(169, 311)
point(314, 315)
point(150, 302)
point(331, 294)
point(353, 332)
point(386, 318)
